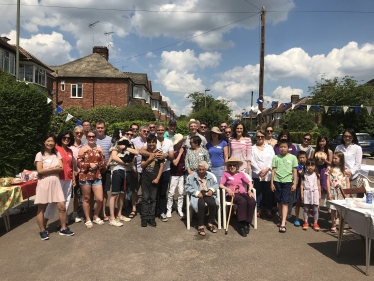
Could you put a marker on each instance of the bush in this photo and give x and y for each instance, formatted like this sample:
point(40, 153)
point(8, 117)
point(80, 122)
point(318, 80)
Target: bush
point(298, 137)
point(136, 112)
point(25, 119)
point(58, 120)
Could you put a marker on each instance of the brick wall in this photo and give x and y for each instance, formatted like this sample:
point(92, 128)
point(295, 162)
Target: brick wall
point(95, 92)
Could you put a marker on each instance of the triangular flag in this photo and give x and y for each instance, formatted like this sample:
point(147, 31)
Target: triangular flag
point(345, 108)
point(326, 108)
point(293, 106)
point(307, 107)
point(335, 108)
point(68, 117)
point(58, 109)
point(316, 108)
point(285, 105)
point(357, 109)
point(48, 100)
point(79, 122)
point(301, 107)
point(258, 112)
point(369, 108)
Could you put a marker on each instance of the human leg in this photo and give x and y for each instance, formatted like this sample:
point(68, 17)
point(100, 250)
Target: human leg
point(98, 192)
point(86, 191)
point(259, 192)
point(40, 216)
point(180, 195)
point(135, 184)
point(106, 183)
point(162, 192)
point(306, 215)
point(62, 214)
point(67, 189)
point(200, 212)
point(145, 209)
point(268, 196)
point(173, 186)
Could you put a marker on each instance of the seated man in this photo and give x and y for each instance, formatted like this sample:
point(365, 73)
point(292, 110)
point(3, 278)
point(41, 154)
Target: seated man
point(203, 186)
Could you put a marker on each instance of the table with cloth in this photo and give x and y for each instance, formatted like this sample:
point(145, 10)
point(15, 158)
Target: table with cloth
point(359, 219)
point(9, 197)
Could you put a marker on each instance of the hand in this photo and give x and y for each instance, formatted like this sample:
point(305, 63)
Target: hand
point(93, 166)
point(200, 195)
point(273, 187)
point(302, 197)
point(181, 150)
point(230, 192)
point(160, 155)
point(209, 193)
point(155, 181)
point(121, 147)
point(293, 188)
point(329, 196)
point(348, 173)
point(247, 170)
point(151, 156)
point(251, 194)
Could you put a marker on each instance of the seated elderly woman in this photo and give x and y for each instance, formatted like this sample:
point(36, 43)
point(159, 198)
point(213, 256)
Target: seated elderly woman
point(232, 181)
point(202, 186)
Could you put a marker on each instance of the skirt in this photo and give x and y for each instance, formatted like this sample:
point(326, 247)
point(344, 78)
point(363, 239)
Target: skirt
point(49, 190)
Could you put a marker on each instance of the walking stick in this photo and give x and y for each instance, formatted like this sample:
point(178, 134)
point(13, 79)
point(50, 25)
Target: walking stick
point(228, 220)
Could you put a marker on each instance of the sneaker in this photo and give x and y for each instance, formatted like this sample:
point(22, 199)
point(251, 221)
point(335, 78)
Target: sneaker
point(152, 222)
point(74, 217)
point(163, 218)
point(296, 223)
point(44, 235)
point(144, 223)
point(305, 226)
point(180, 213)
point(316, 227)
point(115, 223)
point(168, 214)
point(66, 232)
point(123, 218)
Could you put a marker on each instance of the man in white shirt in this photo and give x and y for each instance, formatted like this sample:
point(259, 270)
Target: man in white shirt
point(194, 125)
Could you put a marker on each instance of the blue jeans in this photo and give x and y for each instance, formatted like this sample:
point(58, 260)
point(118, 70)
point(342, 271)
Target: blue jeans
point(263, 189)
point(217, 171)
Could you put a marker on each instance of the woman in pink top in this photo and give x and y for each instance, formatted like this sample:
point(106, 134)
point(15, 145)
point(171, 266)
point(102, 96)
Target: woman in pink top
point(232, 181)
point(240, 147)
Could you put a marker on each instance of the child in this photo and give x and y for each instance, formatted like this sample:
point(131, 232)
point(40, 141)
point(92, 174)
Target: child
point(301, 157)
point(283, 180)
point(337, 176)
point(310, 193)
point(152, 170)
point(177, 168)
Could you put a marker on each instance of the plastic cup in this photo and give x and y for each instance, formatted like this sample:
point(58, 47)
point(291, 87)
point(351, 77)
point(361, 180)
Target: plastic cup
point(349, 202)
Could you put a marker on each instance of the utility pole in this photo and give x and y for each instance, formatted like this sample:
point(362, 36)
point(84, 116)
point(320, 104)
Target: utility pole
point(262, 65)
point(17, 40)
point(251, 110)
point(206, 90)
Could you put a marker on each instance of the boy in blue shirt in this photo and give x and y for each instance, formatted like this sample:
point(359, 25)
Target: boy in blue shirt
point(301, 157)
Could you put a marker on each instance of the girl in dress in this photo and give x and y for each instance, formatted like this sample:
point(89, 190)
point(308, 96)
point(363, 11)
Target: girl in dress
point(310, 193)
point(48, 163)
point(240, 147)
point(337, 176)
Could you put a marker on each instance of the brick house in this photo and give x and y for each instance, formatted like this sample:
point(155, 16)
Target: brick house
point(164, 106)
point(142, 87)
point(156, 100)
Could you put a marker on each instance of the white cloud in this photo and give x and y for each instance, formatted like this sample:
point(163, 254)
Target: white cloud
point(150, 55)
point(283, 94)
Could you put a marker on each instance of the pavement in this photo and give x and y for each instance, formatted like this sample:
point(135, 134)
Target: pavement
point(171, 252)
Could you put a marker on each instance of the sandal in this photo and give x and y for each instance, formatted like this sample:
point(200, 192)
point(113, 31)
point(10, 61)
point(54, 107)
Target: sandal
point(333, 229)
point(132, 214)
point(98, 221)
point(212, 228)
point(201, 231)
point(282, 229)
point(105, 218)
point(89, 224)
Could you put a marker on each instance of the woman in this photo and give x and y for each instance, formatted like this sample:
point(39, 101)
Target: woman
point(91, 161)
point(352, 155)
point(195, 154)
point(262, 156)
point(232, 182)
point(305, 146)
point(269, 136)
point(285, 135)
point(48, 190)
point(64, 140)
point(121, 175)
point(240, 147)
point(218, 152)
point(78, 134)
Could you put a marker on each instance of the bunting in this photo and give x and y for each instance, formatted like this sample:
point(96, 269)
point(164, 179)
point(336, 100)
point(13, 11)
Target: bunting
point(345, 108)
point(293, 106)
point(68, 117)
point(58, 109)
point(48, 100)
point(357, 109)
point(307, 107)
point(326, 108)
point(369, 108)
point(316, 108)
point(79, 123)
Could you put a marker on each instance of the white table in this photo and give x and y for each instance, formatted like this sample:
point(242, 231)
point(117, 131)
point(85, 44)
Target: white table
point(361, 220)
point(366, 169)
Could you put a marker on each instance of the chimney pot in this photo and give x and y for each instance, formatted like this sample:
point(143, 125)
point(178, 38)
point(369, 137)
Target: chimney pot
point(102, 51)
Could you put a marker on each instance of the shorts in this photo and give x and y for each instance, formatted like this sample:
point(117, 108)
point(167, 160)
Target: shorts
point(282, 192)
point(77, 187)
point(91, 182)
point(120, 181)
point(106, 178)
point(136, 181)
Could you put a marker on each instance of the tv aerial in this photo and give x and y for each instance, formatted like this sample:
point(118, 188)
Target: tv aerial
point(91, 25)
point(107, 34)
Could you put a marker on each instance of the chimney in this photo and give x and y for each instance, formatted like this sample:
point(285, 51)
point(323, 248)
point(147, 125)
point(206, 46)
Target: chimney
point(4, 38)
point(294, 98)
point(102, 51)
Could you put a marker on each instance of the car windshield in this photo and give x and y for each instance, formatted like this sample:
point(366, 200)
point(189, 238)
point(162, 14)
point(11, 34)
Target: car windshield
point(364, 137)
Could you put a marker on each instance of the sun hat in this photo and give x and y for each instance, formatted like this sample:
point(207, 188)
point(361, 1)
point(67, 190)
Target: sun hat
point(320, 157)
point(178, 138)
point(193, 121)
point(215, 130)
point(233, 160)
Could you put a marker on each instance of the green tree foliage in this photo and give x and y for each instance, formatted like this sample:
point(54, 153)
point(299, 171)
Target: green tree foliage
point(58, 120)
point(137, 112)
point(299, 121)
point(207, 109)
point(344, 92)
point(24, 119)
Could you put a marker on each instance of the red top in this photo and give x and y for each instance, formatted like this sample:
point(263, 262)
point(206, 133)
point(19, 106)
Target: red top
point(92, 155)
point(67, 163)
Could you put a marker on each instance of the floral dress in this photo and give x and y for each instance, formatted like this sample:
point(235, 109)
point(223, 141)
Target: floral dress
point(92, 155)
point(337, 178)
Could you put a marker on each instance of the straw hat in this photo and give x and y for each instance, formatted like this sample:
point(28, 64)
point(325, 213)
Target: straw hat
point(233, 160)
point(193, 121)
point(215, 130)
point(178, 138)
point(320, 157)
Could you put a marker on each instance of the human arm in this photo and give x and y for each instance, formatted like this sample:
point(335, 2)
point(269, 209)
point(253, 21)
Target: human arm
point(248, 154)
point(45, 172)
point(312, 154)
point(272, 179)
point(302, 189)
point(207, 158)
point(213, 185)
point(146, 162)
point(328, 183)
point(192, 187)
point(358, 160)
point(114, 156)
point(328, 161)
point(226, 153)
point(294, 172)
point(160, 170)
point(319, 188)
point(188, 161)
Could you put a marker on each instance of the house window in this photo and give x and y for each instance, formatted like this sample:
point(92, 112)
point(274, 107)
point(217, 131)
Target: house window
point(62, 85)
point(76, 90)
point(137, 92)
point(8, 62)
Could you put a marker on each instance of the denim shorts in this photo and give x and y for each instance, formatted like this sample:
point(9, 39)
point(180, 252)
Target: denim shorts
point(282, 192)
point(120, 181)
point(91, 182)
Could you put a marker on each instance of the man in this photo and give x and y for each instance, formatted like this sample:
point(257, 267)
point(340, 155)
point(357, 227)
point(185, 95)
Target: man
point(204, 131)
point(223, 126)
point(166, 148)
point(135, 129)
point(169, 134)
point(152, 129)
point(227, 134)
point(193, 125)
point(86, 128)
point(105, 142)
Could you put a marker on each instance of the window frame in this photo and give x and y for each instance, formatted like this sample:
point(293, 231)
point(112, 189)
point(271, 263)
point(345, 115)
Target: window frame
point(77, 87)
point(63, 86)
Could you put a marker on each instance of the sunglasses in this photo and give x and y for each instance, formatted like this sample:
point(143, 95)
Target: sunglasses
point(128, 134)
point(65, 138)
point(152, 127)
point(202, 127)
point(228, 133)
point(306, 139)
point(144, 131)
point(260, 137)
point(134, 129)
point(91, 137)
point(269, 131)
point(78, 133)
point(231, 165)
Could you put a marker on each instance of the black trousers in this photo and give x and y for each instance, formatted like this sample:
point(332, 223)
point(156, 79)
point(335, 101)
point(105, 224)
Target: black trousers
point(149, 196)
point(201, 209)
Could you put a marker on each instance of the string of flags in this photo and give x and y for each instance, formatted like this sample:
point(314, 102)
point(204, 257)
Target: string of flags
point(68, 117)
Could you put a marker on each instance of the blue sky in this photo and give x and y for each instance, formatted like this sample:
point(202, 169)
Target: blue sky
point(301, 45)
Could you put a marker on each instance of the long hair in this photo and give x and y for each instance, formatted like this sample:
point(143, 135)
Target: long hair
point(318, 147)
point(47, 136)
point(233, 131)
point(341, 164)
point(351, 132)
point(287, 133)
point(62, 134)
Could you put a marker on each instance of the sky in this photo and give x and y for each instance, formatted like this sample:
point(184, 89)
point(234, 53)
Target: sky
point(187, 46)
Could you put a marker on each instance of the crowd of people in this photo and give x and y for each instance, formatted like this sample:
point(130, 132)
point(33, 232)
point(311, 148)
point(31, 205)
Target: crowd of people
point(149, 164)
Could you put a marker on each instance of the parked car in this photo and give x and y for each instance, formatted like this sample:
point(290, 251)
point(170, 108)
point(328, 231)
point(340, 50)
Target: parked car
point(252, 136)
point(364, 140)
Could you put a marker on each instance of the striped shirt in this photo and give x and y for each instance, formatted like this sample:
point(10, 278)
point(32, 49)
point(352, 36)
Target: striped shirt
point(105, 144)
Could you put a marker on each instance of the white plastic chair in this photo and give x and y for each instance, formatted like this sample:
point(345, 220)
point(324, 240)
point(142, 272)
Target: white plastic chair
point(226, 204)
point(367, 183)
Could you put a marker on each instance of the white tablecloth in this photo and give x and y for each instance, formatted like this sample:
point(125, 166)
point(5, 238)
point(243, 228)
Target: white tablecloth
point(365, 169)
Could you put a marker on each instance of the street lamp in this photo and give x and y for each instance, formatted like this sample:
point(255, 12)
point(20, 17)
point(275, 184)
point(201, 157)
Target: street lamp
point(206, 90)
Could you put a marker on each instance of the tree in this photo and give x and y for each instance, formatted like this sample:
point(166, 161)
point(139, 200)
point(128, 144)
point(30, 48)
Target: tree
point(344, 92)
point(207, 109)
point(299, 121)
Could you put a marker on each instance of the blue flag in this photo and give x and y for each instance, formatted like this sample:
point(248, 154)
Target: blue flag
point(79, 122)
point(316, 108)
point(301, 107)
point(58, 109)
point(335, 108)
point(285, 105)
point(357, 109)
